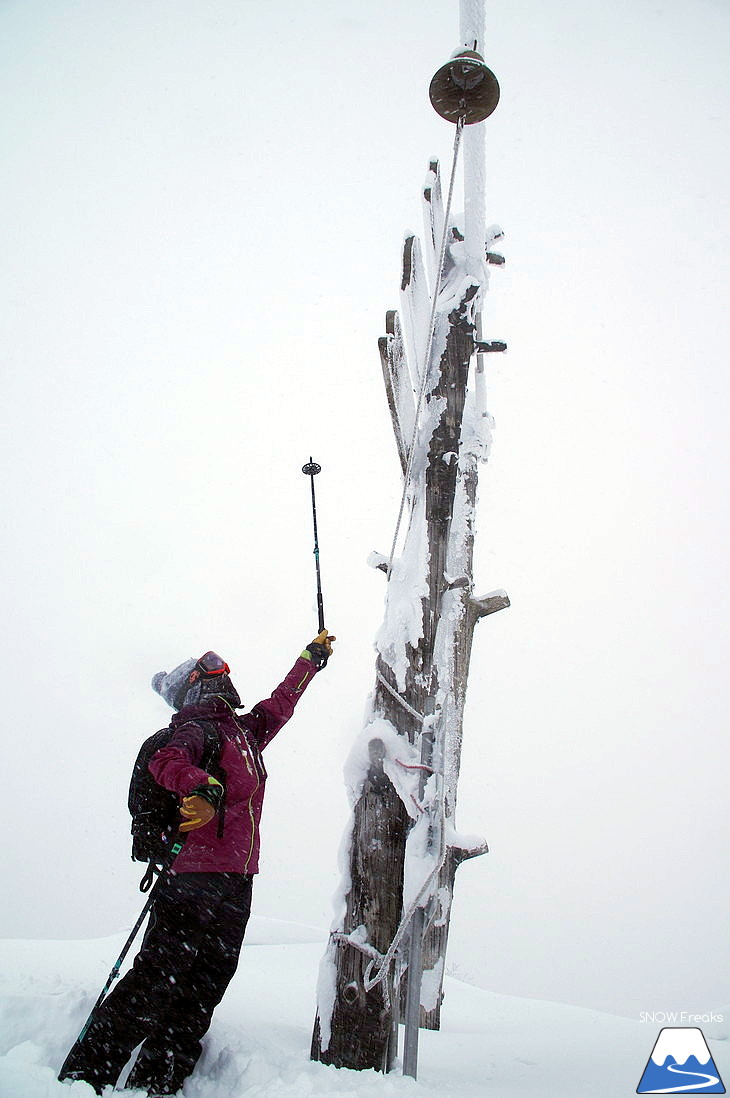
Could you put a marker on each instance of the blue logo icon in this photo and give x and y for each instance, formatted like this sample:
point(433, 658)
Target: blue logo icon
point(680, 1063)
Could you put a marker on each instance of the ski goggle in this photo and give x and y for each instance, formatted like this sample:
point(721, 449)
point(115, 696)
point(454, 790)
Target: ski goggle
point(212, 664)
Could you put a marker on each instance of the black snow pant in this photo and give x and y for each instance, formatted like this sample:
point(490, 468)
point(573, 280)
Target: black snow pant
point(188, 956)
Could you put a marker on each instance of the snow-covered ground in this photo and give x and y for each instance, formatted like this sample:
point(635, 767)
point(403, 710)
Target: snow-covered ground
point(258, 1046)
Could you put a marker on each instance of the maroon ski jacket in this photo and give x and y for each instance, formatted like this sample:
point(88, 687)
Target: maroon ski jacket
point(177, 767)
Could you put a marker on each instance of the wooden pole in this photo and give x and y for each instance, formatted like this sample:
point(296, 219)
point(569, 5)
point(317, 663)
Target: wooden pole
point(416, 709)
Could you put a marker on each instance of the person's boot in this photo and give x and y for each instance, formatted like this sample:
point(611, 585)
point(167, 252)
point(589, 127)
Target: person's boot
point(157, 1073)
point(74, 1070)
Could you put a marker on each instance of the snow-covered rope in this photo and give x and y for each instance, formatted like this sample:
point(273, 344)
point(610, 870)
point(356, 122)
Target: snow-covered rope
point(408, 708)
point(369, 951)
point(424, 372)
point(384, 960)
point(364, 947)
point(387, 958)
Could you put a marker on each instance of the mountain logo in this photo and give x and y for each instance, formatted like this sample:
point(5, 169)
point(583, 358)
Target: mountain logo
point(680, 1063)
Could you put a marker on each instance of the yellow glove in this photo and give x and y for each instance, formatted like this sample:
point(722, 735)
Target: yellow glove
point(320, 649)
point(325, 640)
point(197, 811)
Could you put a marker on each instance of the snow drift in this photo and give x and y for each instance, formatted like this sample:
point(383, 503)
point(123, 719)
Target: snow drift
point(258, 1045)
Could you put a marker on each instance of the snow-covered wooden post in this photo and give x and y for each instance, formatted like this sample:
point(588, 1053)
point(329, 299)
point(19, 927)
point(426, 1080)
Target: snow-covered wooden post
point(403, 848)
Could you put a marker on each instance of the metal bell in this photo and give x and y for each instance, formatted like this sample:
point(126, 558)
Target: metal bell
point(464, 87)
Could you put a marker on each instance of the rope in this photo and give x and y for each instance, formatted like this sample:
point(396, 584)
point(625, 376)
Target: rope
point(416, 766)
point(387, 959)
point(369, 951)
point(364, 947)
point(408, 708)
point(383, 961)
point(424, 372)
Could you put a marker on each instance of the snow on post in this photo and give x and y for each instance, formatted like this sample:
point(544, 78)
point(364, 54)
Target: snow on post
point(475, 222)
point(402, 848)
point(471, 25)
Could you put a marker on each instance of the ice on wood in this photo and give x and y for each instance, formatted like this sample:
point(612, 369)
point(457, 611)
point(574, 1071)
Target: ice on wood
point(431, 982)
point(403, 623)
point(400, 762)
point(433, 219)
point(398, 385)
point(474, 211)
point(467, 845)
point(471, 32)
point(415, 309)
point(425, 847)
point(471, 24)
point(326, 995)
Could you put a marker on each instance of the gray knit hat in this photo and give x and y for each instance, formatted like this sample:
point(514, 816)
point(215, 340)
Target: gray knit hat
point(173, 685)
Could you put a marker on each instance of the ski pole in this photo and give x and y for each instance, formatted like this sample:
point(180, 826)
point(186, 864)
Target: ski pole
point(174, 851)
point(311, 469)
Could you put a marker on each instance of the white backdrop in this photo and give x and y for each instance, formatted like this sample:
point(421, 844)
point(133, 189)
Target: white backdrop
point(203, 206)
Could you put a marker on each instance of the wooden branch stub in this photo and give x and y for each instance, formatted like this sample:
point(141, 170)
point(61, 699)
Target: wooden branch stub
point(459, 854)
point(378, 561)
point(460, 582)
point(490, 604)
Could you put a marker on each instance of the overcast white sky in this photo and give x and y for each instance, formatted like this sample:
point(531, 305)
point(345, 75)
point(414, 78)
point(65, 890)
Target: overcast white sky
point(203, 206)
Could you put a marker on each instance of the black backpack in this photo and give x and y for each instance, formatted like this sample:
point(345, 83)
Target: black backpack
point(156, 811)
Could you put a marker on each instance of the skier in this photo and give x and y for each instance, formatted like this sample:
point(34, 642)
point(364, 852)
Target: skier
point(190, 949)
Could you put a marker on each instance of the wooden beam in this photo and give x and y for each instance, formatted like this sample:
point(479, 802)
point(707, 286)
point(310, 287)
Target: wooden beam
point(398, 387)
point(489, 604)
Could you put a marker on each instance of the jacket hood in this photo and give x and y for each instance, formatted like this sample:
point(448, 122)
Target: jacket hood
point(208, 708)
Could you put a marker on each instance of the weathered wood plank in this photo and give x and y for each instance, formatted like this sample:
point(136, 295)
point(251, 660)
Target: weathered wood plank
point(415, 309)
point(433, 219)
point(398, 387)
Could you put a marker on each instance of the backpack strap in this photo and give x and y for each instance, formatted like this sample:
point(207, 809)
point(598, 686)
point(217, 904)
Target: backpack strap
point(210, 761)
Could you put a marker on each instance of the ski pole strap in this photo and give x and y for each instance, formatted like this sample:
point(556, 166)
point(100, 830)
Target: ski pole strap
point(153, 870)
point(149, 876)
